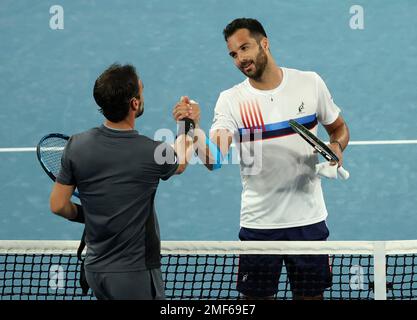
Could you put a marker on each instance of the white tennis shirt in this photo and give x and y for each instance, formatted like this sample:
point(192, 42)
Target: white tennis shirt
point(284, 192)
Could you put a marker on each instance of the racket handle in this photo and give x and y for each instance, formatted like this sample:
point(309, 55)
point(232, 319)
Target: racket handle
point(189, 125)
point(343, 173)
point(76, 194)
point(186, 128)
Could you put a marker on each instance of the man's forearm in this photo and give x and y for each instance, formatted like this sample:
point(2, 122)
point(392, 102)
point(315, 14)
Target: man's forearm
point(338, 133)
point(340, 136)
point(72, 211)
point(211, 151)
point(208, 151)
point(183, 147)
point(67, 210)
point(201, 148)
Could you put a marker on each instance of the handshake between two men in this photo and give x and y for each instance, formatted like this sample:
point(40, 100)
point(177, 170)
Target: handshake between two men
point(209, 149)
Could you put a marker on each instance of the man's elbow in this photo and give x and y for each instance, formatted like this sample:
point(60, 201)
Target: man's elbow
point(56, 209)
point(55, 206)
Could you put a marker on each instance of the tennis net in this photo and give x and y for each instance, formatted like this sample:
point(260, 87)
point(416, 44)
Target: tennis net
point(210, 269)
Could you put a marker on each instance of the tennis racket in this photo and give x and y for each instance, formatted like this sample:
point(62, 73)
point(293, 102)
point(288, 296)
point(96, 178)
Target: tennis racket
point(319, 145)
point(49, 152)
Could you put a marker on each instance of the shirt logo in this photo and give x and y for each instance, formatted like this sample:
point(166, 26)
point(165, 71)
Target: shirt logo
point(301, 108)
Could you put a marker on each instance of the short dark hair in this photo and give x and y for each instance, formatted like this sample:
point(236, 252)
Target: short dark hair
point(254, 26)
point(114, 89)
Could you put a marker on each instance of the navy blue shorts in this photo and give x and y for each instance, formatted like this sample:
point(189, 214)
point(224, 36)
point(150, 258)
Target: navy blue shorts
point(309, 275)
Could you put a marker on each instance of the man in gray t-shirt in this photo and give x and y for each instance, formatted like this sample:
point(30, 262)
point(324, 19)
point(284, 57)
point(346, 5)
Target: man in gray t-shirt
point(117, 172)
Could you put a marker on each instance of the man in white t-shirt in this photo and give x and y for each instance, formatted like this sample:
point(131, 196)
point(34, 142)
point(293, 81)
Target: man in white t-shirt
point(282, 197)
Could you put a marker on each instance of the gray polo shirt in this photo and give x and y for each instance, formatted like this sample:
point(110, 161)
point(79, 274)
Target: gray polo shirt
point(117, 177)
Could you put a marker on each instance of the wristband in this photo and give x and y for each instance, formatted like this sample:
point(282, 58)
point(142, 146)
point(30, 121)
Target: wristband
point(216, 153)
point(80, 215)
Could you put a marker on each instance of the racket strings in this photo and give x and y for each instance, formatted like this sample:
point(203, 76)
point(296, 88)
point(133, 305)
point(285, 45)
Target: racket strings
point(51, 150)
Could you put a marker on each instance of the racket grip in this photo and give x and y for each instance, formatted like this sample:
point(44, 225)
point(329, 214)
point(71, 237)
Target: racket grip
point(187, 127)
point(76, 194)
point(343, 173)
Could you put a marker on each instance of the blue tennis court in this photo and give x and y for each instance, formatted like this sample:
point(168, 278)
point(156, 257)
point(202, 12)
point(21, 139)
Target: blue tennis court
point(47, 78)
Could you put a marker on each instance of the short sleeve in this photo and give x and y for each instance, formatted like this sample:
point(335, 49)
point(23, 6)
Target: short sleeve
point(66, 173)
point(327, 110)
point(170, 165)
point(223, 118)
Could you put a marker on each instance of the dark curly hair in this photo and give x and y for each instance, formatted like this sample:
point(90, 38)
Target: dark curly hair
point(254, 26)
point(114, 89)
